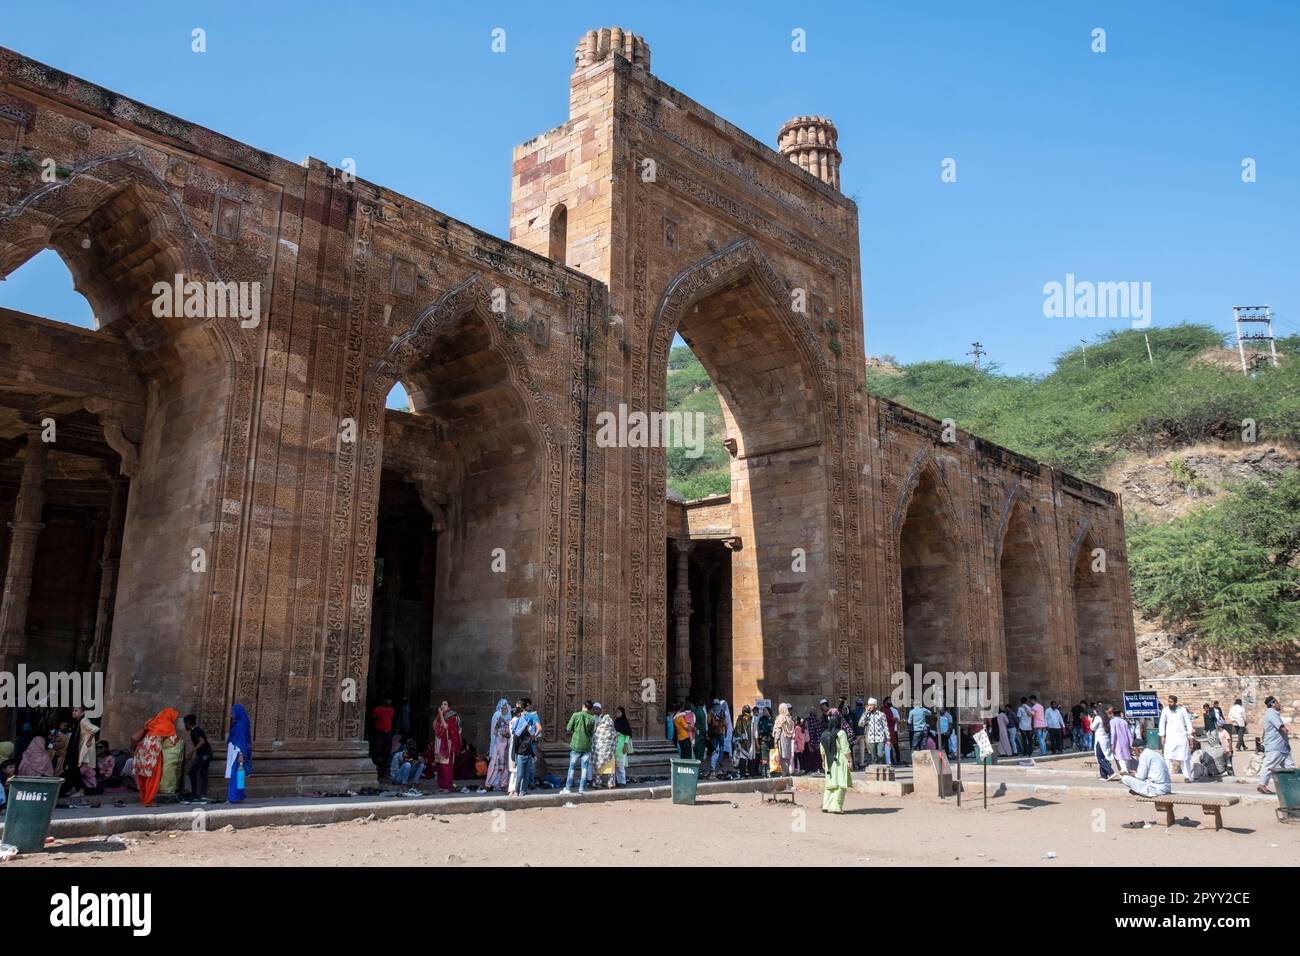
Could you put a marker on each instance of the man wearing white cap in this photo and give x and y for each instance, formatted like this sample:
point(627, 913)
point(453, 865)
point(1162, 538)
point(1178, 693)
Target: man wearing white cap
point(875, 727)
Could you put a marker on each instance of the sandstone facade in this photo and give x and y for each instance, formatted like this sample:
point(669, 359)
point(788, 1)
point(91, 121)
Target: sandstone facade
point(229, 512)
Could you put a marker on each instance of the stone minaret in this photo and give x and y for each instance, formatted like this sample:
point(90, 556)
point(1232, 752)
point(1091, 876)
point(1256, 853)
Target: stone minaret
point(809, 142)
point(598, 44)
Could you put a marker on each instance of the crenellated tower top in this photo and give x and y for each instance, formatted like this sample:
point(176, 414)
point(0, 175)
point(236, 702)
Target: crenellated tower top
point(598, 44)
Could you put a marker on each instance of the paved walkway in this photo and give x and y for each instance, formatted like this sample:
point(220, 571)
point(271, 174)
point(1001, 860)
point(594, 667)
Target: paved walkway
point(297, 811)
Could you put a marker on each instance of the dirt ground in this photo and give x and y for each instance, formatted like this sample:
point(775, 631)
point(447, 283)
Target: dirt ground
point(733, 829)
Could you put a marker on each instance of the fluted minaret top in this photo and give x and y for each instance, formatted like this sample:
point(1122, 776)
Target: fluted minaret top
point(810, 143)
point(598, 44)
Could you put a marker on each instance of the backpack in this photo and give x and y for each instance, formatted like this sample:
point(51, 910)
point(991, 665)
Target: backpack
point(525, 744)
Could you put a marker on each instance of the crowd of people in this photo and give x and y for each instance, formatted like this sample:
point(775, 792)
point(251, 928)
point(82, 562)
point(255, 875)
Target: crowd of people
point(165, 763)
point(169, 761)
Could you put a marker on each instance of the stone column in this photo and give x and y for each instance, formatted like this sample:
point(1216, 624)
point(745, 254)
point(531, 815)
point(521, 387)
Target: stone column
point(26, 531)
point(682, 619)
point(96, 524)
point(109, 561)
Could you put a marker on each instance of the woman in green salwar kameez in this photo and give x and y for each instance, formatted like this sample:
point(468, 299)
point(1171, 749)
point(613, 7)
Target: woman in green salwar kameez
point(172, 751)
point(837, 758)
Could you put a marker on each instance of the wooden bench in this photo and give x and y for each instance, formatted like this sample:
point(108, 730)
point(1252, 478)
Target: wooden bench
point(1210, 805)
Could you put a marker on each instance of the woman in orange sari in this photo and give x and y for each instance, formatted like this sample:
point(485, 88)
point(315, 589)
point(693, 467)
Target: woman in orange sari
point(148, 753)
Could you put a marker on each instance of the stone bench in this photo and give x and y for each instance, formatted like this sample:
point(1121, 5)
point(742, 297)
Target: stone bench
point(1210, 805)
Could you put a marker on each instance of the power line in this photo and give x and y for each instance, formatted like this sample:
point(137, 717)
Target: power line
point(977, 351)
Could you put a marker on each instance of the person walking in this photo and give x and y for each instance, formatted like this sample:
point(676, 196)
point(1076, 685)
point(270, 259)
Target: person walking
point(1277, 745)
point(783, 737)
point(1039, 719)
point(239, 754)
point(744, 743)
point(1175, 735)
point(1237, 717)
point(581, 726)
point(837, 758)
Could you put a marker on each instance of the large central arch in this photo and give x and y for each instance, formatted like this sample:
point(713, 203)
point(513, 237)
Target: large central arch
point(489, 479)
point(779, 409)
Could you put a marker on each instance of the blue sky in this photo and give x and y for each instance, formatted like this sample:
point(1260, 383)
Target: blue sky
point(1115, 166)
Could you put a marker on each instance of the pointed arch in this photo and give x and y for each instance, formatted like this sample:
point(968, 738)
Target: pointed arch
point(462, 318)
point(929, 592)
point(704, 303)
point(116, 223)
point(1024, 591)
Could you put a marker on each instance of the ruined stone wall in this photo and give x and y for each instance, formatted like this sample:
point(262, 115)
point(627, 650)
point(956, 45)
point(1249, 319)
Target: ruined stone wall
point(264, 443)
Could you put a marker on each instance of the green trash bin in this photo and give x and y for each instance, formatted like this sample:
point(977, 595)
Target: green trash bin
point(28, 809)
point(1153, 738)
point(686, 777)
point(1288, 793)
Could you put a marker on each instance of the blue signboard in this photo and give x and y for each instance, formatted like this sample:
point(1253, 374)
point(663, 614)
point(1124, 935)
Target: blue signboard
point(1141, 703)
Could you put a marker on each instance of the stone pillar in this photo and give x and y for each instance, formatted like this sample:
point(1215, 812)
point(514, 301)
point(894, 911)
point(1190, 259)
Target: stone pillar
point(705, 632)
point(109, 561)
point(25, 531)
point(682, 619)
point(96, 524)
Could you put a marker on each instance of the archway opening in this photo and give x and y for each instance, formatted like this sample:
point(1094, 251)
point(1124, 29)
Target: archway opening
point(1024, 610)
point(43, 286)
point(557, 244)
point(125, 394)
point(931, 583)
point(759, 556)
point(460, 523)
point(1092, 617)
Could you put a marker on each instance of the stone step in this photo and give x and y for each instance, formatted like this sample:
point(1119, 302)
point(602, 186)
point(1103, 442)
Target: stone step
point(649, 759)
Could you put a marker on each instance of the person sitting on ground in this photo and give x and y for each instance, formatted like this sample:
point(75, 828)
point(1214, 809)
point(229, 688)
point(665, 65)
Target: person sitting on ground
point(1152, 776)
point(106, 766)
point(407, 764)
point(395, 759)
point(1199, 763)
point(36, 760)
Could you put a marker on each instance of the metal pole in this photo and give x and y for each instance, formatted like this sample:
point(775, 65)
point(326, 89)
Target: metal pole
point(985, 762)
point(956, 725)
point(1150, 357)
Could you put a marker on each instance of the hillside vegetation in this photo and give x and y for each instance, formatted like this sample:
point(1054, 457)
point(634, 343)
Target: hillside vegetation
point(1104, 402)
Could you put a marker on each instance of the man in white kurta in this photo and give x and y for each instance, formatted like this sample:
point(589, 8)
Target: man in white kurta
point(1175, 734)
point(1152, 776)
